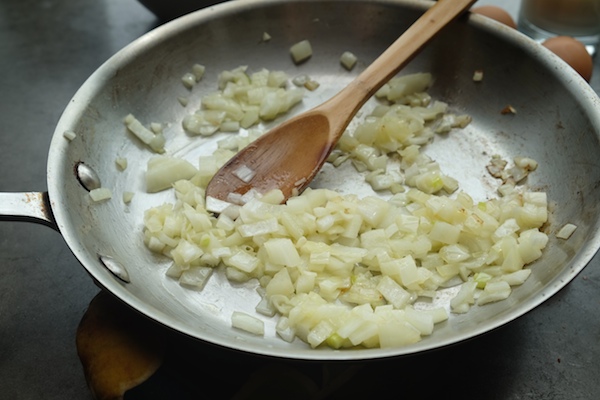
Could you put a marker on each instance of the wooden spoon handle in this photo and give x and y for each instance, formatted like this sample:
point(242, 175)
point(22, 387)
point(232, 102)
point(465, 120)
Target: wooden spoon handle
point(344, 105)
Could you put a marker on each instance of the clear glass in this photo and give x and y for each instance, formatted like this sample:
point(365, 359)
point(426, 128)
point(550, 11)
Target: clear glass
point(541, 19)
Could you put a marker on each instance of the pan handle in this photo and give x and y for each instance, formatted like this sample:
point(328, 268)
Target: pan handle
point(27, 206)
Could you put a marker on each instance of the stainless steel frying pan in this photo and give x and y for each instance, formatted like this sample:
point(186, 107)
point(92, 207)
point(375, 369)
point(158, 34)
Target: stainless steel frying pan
point(557, 123)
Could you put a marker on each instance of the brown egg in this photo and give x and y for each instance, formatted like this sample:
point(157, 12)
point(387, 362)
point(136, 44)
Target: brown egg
point(573, 52)
point(496, 13)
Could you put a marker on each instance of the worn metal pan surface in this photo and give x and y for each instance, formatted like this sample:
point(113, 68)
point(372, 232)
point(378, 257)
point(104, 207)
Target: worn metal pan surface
point(557, 123)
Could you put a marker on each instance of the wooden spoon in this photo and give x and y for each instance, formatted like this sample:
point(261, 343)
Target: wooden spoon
point(289, 156)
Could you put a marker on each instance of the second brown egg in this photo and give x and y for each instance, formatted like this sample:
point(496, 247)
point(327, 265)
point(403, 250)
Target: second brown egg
point(497, 14)
point(573, 52)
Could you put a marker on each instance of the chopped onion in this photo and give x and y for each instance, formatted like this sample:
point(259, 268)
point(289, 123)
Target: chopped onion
point(121, 163)
point(188, 80)
point(508, 110)
point(284, 330)
point(300, 80)
point(494, 291)
point(301, 51)
point(364, 273)
point(247, 323)
point(198, 71)
point(339, 270)
point(348, 60)
point(69, 135)
point(128, 197)
point(163, 171)
point(196, 277)
point(566, 231)
point(244, 173)
point(242, 101)
point(155, 141)
point(100, 194)
point(311, 85)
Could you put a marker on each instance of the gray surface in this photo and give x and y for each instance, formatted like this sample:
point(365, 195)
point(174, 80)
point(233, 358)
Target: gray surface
point(48, 48)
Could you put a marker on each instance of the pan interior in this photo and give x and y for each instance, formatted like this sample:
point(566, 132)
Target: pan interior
point(556, 124)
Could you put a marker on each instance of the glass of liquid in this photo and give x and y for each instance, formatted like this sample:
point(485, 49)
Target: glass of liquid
point(542, 19)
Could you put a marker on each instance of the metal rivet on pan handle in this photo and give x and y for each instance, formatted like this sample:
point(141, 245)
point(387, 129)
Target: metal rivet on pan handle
point(87, 176)
point(115, 267)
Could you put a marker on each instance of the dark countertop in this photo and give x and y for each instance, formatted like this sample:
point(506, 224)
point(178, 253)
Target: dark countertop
point(47, 50)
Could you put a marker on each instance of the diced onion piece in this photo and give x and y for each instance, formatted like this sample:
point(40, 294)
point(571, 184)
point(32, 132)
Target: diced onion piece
point(423, 321)
point(566, 231)
point(516, 278)
point(508, 110)
point(121, 163)
point(300, 80)
point(251, 117)
point(280, 284)
point(186, 252)
point(204, 122)
point(260, 227)
point(243, 261)
point(397, 333)
point(155, 141)
point(188, 79)
point(136, 127)
point(348, 60)
point(230, 126)
point(100, 194)
point(163, 171)
point(277, 79)
point(478, 75)
point(393, 293)
point(196, 277)
point(156, 127)
point(244, 173)
point(198, 71)
point(311, 85)
point(401, 86)
point(494, 291)
point(216, 205)
point(128, 197)
point(301, 51)
point(281, 251)
point(69, 135)
point(464, 298)
point(526, 163)
point(265, 308)
point(247, 323)
point(285, 330)
point(444, 232)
